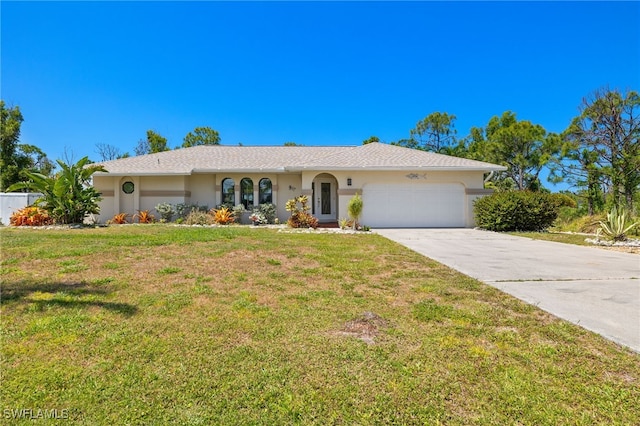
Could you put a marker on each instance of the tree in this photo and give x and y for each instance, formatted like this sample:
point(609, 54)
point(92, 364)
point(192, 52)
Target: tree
point(290, 143)
point(152, 144)
point(17, 158)
point(67, 196)
point(142, 148)
point(602, 149)
point(109, 152)
point(578, 166)
point(524, 148)
point(372, 139)
point(10, 121)
point(433, 133)
point(201, 136)
point(34, 159)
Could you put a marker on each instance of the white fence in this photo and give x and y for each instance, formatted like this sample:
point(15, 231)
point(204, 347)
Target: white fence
point(12, 201)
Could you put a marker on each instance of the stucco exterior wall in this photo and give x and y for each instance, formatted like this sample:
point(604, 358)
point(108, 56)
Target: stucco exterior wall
point(106, 186)
point(470, 180)
point(289, 186)
point(10, 202)
point(205, 189)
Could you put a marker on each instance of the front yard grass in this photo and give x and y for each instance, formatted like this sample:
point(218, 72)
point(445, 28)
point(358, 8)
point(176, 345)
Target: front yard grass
point(559, 237)
point(158, 324)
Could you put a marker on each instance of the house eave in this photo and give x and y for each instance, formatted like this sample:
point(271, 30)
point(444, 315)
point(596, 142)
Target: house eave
point(134, 173)
point(300, 169)
point(240, 170)
point(396, 169)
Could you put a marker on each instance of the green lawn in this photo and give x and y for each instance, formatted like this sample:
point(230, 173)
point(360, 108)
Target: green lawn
point(576, 239)
point(200, 326)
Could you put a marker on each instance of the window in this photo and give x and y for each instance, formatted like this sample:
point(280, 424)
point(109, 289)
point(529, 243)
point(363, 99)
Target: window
point(265, 191)
point(128, 187)
point(228, 192)
point(246, 193)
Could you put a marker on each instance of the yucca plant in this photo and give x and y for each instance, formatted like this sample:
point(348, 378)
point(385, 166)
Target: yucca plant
point(615, 227)
point(223, 216)
point(144, 216)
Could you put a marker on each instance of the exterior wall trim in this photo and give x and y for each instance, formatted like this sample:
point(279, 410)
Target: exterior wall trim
point(161, 193)
point(349, 191)
point(478, 191)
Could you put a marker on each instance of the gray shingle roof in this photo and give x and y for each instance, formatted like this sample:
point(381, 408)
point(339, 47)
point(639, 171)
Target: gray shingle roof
point(221, 158)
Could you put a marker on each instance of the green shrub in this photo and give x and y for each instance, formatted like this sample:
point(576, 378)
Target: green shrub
point(268, 210)
point(518, 211)
point(183, 210)
point(237, 210)
point(584, 223)
point(198, 217)
point(166, 211)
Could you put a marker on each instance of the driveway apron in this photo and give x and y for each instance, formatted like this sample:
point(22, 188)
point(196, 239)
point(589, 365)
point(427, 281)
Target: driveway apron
point(594, 288)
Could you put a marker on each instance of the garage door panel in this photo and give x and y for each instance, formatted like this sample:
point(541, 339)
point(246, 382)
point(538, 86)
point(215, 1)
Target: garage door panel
point(413, 205)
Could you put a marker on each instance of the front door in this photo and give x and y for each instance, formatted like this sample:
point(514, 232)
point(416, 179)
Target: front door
point(324, 199)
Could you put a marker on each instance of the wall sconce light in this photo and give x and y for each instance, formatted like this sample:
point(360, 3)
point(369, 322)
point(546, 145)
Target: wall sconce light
point(348, 181)
point(292, 188)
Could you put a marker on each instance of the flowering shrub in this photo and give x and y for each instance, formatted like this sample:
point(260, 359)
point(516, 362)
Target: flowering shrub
point(258, 218)
point(30, 216)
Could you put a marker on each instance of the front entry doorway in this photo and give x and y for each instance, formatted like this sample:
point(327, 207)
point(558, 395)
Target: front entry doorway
point(324, 205)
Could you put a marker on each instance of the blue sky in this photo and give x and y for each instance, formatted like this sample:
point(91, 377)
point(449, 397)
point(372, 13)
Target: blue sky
point(316, 73)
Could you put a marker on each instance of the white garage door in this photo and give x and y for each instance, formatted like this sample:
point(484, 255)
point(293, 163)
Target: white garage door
point(413, 205)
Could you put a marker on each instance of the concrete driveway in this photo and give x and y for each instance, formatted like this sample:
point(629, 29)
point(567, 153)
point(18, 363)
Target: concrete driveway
point(594, 288)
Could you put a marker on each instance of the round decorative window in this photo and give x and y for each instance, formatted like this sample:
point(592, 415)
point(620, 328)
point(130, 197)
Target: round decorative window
point(128, 187)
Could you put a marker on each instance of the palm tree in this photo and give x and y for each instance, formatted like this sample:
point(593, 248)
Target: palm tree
point(68, 195)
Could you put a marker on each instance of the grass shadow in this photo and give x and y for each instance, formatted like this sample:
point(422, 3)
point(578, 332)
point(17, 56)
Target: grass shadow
point(120, 308)
point(19, 292)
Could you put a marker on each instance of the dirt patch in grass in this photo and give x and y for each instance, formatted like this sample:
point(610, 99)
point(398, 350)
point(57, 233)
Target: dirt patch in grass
point(366, 327)
point(632, 250)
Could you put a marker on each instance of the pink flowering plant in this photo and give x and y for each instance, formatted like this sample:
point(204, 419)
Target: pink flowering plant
point(258, 218)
